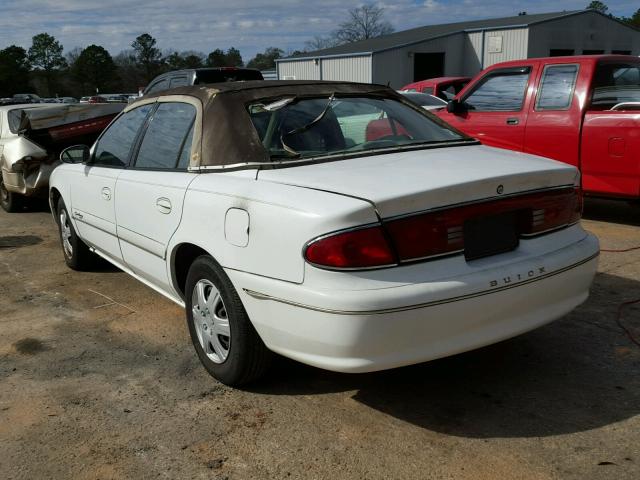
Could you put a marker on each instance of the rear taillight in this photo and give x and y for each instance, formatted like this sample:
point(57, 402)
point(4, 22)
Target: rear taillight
point(362, 248)
point(441, 232)
point(551, 211)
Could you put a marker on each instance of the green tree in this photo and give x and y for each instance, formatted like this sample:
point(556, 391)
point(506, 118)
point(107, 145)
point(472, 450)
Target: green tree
point(45, 55)
point(599, 6)
point(217, 58)
point(266, 60)
point(94, 70)
point(174, 61)
point(129, 74)
point(147, 55)
point(365, 21)
point(633, 20)
point(192, 60)
point(234, 58)
point(14, 71)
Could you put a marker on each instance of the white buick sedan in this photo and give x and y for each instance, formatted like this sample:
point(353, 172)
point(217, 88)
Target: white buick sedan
point(336, 224)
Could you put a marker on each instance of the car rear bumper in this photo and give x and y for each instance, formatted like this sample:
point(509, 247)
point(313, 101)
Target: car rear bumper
point(375, 329)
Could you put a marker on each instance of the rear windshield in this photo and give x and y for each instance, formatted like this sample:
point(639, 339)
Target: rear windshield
point(292, 128)
point(615, 83)
point(220, 76)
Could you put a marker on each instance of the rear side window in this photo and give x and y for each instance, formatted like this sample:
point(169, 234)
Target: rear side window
point(115, 143)
point(500, 92)
point(166, 136)
point(615, 83)
point(428, 90)
point(557, 86)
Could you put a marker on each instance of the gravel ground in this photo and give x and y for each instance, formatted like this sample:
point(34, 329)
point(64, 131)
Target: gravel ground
point(98, 380)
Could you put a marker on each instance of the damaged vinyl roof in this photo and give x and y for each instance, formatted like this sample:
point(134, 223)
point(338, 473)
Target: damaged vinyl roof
point(229, 139)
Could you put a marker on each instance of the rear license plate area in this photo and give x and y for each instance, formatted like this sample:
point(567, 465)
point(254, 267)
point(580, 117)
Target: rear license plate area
point(490, 235)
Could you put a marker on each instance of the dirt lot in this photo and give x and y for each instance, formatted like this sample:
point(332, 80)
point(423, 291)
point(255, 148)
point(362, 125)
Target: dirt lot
point(98, 379)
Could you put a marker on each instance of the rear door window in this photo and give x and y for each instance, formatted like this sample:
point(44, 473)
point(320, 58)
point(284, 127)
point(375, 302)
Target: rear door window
point(615, 83)
point(501, 91)
point(166, 136)
point(114, 146)
point(180, 81)
point(557, 87)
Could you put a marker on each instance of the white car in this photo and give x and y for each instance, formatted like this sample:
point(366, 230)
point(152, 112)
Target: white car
point(252, 205)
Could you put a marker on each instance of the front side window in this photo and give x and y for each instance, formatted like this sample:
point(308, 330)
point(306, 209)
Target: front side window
point(115, 144)
point(615, 83)
point(557, 86)
point(293, 128)
point(500, 92)
point(165, 137)
point(156, 87)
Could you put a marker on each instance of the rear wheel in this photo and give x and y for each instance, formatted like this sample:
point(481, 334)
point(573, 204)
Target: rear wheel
point(76, 253)
point(10, 201)
point(224, 338)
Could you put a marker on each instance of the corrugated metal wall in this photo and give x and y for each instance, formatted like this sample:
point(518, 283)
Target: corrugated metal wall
point(473, 45)
point(395, 66)
point(298, 70)
point(514, 45)
point(588, 31)
point(352, 69)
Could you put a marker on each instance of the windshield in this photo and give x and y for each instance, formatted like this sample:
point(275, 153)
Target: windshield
point(311, 127)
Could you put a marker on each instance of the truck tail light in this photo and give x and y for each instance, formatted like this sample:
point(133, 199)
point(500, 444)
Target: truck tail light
point(441, 232)
point(353, 249)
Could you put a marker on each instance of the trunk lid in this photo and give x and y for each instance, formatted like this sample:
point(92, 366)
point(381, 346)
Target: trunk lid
point(407, 182)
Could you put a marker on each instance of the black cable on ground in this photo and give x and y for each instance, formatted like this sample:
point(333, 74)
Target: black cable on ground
point(623, 305)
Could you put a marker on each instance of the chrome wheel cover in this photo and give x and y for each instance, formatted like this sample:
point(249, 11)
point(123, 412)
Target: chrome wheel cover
point(211, 321)
point(65, 233)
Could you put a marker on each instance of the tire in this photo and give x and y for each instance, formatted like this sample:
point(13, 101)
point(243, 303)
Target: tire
point(77, 255)
point(10, 201)
point(234, 354)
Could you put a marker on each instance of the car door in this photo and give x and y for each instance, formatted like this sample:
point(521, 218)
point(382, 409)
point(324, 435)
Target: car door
point(610, 158)
point(150, 194)
point(553, 124)
point(93, 189)
point(494, 110)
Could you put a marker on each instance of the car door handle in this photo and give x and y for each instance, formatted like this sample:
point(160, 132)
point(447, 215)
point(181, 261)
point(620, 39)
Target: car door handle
point(164, 205)
point(512, 121)
point(106, 194)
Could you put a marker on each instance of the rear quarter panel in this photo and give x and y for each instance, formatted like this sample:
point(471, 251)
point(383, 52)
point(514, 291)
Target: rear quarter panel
point(282, 218)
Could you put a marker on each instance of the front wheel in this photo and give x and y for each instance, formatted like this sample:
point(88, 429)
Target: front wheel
point(10, 201)
point(76, 253)
point(224, 338)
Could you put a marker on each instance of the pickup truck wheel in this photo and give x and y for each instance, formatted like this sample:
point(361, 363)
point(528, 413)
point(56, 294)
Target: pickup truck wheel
point(224, 338)
point(9, 201)
point(76, 253)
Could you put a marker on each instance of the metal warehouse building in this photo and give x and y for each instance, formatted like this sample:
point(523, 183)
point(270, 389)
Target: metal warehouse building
point(463, 49)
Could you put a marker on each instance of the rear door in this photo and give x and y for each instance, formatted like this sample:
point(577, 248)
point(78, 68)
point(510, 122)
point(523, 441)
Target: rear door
point(611, 131)
point(553, 123)
point(150, 194)
point(92, 192)
point(495, 108)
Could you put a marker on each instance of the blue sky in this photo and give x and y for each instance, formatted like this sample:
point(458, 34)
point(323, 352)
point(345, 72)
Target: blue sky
point(249, 25)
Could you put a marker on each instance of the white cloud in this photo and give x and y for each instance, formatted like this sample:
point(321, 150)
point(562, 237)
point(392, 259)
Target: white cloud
point(250, 25)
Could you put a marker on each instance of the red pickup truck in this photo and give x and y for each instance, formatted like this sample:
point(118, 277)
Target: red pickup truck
point(582, 110)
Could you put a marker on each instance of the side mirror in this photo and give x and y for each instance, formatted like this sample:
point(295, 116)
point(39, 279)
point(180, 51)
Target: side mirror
point(75, 154)
point(455, 106)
